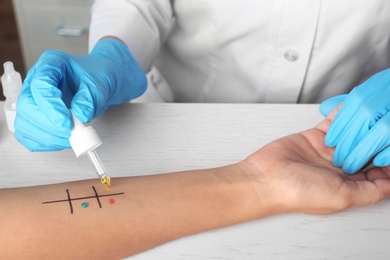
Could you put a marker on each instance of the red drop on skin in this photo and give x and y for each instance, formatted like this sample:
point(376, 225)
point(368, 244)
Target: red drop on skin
point(111, 201)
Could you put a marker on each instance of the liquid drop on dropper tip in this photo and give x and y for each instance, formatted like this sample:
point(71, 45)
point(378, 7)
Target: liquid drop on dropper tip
point(106, 181)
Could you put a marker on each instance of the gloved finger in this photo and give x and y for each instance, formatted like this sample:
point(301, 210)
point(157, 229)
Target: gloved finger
point(360, 105)
point(37, 147)
point(28, 109)
point(330, 104)
point(371, 144)
point(348, 128)
point(349, 139)
point(383, 158)
point(87, 104)
point(44, 84)
point(341, 121)
point(37, 139)
point(40, 134)
point(31, 124)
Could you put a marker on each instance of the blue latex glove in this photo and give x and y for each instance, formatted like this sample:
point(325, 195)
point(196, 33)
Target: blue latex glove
point(88, 84)
point(361, 129)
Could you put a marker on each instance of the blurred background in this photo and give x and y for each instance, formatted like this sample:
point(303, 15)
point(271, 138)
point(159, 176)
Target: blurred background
point(30, 27)
point(9, 41)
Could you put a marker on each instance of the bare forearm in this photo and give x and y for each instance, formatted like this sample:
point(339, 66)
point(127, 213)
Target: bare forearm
point(82, 220)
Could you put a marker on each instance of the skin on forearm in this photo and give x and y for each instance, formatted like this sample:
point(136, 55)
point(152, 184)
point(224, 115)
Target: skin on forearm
point(292, 174)
point(137, 214)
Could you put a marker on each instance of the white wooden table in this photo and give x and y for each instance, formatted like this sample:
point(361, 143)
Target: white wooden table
point(140, 139)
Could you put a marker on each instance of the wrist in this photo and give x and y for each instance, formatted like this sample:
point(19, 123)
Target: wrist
point(113, 49)
point(260, 188)
point(128, 80)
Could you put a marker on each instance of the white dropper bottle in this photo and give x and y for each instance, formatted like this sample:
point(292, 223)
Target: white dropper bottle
point(12, 84)
point(84, 141)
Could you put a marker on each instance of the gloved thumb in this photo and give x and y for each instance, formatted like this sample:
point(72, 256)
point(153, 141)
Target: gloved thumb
point(83, 105)
point(330, 104)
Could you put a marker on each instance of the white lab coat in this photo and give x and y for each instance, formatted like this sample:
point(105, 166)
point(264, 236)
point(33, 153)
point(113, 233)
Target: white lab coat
point(279, 51)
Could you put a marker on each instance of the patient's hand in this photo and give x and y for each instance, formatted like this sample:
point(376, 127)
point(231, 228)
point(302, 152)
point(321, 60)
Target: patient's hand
point(296, 174)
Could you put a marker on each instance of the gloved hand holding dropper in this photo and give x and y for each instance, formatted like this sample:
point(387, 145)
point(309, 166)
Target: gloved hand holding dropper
point(88, 85)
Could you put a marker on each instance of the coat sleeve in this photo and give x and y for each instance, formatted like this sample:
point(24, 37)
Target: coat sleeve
point(143, 25)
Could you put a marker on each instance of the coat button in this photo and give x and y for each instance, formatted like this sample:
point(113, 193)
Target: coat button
point(291, 55)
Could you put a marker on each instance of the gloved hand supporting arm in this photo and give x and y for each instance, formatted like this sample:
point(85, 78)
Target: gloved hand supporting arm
point(361, 129)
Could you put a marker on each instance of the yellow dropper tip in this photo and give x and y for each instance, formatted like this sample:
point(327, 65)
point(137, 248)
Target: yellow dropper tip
point(106, 181)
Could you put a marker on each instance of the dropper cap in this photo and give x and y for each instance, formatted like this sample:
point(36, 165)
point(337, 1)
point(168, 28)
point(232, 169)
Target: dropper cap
point(83, 138)
point(11, 81)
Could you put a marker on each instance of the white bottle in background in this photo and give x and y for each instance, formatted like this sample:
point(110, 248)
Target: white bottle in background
point(12, 84)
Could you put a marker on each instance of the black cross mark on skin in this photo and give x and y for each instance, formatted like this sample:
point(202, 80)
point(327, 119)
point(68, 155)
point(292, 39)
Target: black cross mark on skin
point(69, 199)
